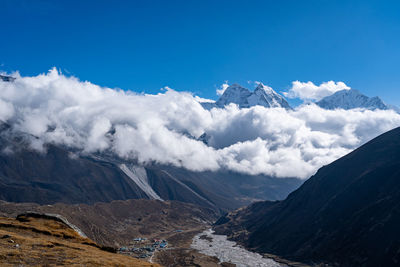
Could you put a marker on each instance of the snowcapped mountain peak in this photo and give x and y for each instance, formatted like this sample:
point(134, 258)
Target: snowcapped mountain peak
point(350, 99)
point(235, 93)
point(267, 97)
point(236, 89)
point(263, 95)
point(263, 88)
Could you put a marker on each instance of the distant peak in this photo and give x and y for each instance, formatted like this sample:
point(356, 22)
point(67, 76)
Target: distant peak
point(263, 95)
point(264, 88)
point(350, 99)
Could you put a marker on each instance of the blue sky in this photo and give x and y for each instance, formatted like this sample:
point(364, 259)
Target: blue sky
point(197, 45)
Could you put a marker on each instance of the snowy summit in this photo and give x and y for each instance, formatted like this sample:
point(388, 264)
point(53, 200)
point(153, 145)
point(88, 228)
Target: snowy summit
point(349, 99)
point(262, 95)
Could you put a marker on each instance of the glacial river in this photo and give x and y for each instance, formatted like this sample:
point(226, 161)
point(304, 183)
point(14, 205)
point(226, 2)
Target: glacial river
point(228, 251)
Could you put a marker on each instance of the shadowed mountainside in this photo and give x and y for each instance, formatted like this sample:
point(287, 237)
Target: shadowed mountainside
point(60, 175)
point(347, 214)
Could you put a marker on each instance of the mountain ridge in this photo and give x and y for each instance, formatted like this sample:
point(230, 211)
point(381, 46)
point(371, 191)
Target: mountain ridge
point(265, 96)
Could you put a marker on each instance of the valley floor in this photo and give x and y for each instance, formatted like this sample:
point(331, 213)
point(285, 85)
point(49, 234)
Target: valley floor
point(181, 253)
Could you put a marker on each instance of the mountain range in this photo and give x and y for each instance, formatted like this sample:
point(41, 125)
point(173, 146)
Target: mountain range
point(347, 214)
point(265, 96)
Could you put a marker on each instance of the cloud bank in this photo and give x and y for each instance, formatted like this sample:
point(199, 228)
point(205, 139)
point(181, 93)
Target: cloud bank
point(309, 91)
point(165, 127)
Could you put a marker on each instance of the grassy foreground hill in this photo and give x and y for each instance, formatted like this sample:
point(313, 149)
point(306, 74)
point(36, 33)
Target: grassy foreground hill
point(29, 241)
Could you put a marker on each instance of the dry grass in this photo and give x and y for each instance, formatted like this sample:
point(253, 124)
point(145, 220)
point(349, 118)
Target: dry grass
point(44, 242)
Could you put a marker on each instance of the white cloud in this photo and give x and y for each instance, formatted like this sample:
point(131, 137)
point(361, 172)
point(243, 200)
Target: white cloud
point(203, 100)
point(310, 91)
point(6, 110)
point(222, 88)
point(163, 128)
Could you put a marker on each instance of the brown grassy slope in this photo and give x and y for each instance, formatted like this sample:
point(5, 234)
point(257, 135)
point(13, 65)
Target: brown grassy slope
point(45, 242)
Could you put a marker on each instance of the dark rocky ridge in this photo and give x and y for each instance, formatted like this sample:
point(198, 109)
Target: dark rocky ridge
point(6, 78)
point(347, 214)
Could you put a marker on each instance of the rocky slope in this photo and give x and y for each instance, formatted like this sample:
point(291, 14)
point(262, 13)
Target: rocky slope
point(347, 214)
